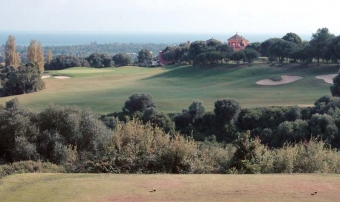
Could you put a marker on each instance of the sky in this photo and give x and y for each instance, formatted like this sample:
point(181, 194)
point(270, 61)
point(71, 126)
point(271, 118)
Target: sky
point(170, 16)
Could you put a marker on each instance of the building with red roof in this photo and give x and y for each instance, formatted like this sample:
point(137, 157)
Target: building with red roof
point(237, 42)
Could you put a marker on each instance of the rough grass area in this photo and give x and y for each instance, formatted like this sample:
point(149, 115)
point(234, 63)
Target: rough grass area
point(174, 87)
point(102, 187)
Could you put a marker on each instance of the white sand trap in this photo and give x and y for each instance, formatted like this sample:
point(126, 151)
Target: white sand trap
point(45, 76)
point(327, 78)
point(285, 79)
point(62, 77)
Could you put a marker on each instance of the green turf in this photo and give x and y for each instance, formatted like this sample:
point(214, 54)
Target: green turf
point(213, 187)
point(175, 87)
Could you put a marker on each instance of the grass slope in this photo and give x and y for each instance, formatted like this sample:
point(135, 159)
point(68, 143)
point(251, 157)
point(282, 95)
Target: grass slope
point(174, 88)
point(104, 187)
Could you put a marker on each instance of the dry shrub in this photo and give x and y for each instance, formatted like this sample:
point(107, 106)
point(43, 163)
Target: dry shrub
point(138, 147)
point(142, 148)
point(307, 157)
point(29, 167)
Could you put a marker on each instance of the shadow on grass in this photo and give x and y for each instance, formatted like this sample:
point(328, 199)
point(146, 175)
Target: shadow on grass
point(196, 72)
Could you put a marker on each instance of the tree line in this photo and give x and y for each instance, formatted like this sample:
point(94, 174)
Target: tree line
point(19, 78)
point(99, 60)
point(140, 139)
point(84, 50)
point(290, 48)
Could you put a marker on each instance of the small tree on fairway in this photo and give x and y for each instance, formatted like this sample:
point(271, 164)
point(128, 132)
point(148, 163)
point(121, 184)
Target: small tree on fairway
point(138, 102)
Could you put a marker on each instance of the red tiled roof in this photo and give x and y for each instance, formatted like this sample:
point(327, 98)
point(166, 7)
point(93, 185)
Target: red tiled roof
point(237, 37)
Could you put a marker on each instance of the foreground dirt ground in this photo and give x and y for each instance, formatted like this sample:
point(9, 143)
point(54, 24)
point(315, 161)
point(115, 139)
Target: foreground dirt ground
point(166, 187)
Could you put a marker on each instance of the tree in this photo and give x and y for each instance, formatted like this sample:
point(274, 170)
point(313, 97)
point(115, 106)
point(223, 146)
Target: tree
point(264, 48)
point(66, 61)
point(333, 48)
point(49, 56)
point(169, 53)
point(138, 103)
point(11, 56)
point(35, 55)
point(17, 132)
point(291, 131)
point(319, 41)
point(61, 126)
point(181, 51)
point(40, 58)
point(122, 59)
point(196, 48)
point(21, 80)
point(303, 53)
point(323, 125)
point(196, 110)
point(238, 56)
point(292, 37)
point(282, 49)
point(335, 88)
point(211, 57)
point(225, 50)
point(99, 60)
point(144, 56)
point(255, 46)
point(32, 52)
point(248, 154)
point(226, 110)
point(18, 59)
point(251, 54)
point(158, 119)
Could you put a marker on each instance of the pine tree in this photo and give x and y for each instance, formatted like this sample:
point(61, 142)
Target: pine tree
point(32, 52)
point(40, 58)
point(10, 54)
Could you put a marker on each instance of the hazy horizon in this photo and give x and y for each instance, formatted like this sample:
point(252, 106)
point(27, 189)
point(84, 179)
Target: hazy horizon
point(165, 17)
point(75, 38)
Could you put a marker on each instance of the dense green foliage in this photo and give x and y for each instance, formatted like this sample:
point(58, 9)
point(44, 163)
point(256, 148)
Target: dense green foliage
point(66, 61)
point(21, 80)
point(98, 60)
point(319, 41)
point(80, 142)
point(292, 37)
point(122, 59)
point(54, 135)
point(176, 53)
point(144, 56)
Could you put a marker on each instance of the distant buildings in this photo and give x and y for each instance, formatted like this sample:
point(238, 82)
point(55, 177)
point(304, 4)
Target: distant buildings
point(238, 42)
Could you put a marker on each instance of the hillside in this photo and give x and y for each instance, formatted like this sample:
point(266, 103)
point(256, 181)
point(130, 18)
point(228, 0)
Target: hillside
point(175, 87)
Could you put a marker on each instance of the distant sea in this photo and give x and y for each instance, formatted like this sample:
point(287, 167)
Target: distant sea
point(57, 39)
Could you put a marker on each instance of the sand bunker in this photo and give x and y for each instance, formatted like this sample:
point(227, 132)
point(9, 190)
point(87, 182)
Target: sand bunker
point(285, 79)
point(62, 77)
point(45, 76)
point(327, 78)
